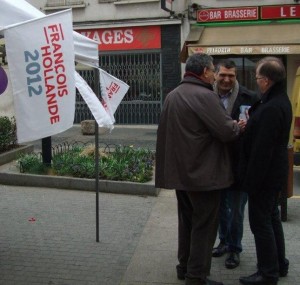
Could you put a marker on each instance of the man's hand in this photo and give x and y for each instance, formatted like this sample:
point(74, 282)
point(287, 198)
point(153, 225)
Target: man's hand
point(242, 124)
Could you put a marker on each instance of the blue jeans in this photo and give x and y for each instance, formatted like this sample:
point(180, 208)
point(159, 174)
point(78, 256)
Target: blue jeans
point(231, 216)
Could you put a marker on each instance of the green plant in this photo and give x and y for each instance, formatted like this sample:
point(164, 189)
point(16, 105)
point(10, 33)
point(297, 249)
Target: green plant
point(7, 133)
point(31, 163)
point(123, 163)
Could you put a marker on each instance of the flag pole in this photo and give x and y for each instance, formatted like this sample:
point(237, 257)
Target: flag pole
point(97, 92)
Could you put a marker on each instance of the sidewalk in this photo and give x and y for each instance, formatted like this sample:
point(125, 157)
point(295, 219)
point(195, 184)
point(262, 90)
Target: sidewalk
point(135, 135)
point(48, 236)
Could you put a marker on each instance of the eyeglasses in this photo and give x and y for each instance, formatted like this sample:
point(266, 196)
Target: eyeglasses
point(257, 78)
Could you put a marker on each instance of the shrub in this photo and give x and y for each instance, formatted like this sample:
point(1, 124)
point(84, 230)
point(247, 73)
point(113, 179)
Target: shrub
point(8, 138)
point(31, 163)
point(123, 163)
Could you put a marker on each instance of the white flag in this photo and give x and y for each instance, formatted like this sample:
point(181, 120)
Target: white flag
point(17, 11)
point(113, 90)
point(101, 116)
point(40, 55)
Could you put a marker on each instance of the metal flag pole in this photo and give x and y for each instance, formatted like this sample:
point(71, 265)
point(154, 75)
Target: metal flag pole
point(98, 93)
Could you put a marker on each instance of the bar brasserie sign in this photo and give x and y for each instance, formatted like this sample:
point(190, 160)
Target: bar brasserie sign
point(248, 13)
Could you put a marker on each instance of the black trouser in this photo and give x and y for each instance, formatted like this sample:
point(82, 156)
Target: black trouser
point(197, 230)
point(266, 226)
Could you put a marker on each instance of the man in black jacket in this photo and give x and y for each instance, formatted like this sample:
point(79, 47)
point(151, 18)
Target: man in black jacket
point(236, 100)
point(264, 170)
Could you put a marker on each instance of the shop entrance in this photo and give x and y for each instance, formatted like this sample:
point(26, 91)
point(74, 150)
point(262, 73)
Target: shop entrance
point(142, 72)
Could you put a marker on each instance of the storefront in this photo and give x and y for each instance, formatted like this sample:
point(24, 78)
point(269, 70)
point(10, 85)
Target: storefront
point(247, 34)
point(143, 57)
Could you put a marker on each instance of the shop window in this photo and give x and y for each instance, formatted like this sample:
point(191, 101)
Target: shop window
point(64, 2)
point(59, 4)
point(246, 66)
point(125, 2)
point(141, 71)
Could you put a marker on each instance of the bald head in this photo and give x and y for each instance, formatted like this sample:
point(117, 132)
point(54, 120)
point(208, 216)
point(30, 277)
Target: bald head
point(272, 68)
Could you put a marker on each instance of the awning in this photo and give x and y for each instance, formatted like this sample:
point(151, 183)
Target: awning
point(193, 37)
point(247, 40)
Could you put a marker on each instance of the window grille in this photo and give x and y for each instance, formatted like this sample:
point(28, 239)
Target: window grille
point(55, 3)
point(142, 72)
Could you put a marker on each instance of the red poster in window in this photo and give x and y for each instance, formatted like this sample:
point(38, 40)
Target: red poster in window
point(125, 38)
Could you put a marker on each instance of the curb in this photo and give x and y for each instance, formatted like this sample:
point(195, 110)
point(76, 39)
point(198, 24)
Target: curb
point(9, 176)
point(15, 153)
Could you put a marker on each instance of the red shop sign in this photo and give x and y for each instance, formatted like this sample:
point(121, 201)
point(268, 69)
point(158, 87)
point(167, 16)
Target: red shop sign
point(280, 12)
point(125, 38)
point(227, 14)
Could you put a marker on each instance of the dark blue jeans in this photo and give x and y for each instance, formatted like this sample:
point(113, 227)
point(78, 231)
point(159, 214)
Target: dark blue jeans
point(232, 218)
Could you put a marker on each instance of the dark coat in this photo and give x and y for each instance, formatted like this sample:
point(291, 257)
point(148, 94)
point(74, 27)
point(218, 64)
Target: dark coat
point(264, 156)
point(244, 97)
point(191, 150)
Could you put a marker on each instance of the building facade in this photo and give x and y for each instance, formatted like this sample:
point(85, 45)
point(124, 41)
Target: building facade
point(139, 43)
point(246, 31)
point(145, 43)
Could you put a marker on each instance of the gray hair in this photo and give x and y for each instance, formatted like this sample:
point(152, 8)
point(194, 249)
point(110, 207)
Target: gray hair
point(197, 62)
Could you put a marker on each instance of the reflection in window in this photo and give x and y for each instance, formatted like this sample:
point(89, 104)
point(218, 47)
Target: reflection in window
point(245, 68)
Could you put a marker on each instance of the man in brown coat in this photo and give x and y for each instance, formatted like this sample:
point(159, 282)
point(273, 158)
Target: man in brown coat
point(192, 157)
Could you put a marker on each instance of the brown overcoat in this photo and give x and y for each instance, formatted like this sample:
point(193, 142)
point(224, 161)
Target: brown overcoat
point(191, 150)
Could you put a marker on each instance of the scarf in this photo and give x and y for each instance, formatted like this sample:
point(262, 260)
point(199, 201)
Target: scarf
point(232, 97)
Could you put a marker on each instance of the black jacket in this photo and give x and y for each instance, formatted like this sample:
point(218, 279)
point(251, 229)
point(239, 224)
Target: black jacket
point(244, 97)
point(264, 158)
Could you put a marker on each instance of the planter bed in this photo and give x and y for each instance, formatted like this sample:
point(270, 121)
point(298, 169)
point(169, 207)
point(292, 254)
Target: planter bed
point(13, 154)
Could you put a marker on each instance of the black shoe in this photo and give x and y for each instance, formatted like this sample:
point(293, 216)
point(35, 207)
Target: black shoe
point(211, 282)
point(196, 281)
point(180, 275)
point(233, 260)
point(257, 279)
point(220, 250)
point(284, 268)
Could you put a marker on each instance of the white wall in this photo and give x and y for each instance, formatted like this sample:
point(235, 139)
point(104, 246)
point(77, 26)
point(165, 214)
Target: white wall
point(114, 11)
point(237, 3)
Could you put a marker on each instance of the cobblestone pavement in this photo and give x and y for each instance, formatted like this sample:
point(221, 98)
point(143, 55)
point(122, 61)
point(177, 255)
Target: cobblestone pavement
point(48, 237)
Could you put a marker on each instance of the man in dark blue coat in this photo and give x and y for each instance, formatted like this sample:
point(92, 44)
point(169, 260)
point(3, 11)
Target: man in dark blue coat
point(264, 170)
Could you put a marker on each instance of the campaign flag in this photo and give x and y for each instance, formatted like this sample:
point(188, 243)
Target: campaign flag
point(16, 11)
point(101, 116)
point(40, 56)
point(113, 91)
